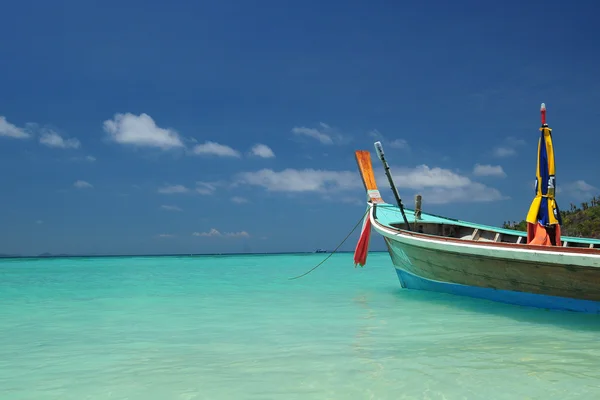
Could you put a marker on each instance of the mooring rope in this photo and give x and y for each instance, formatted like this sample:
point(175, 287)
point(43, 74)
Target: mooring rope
point(336, 249)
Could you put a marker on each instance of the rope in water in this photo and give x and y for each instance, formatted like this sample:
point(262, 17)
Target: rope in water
point(336, 249)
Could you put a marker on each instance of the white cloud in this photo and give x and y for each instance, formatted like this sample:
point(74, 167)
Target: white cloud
point(170, 208)
point(509, 148)
point(213, 148)
point(130, 129)
point(441, 186)
point(239, 200)
point(473, 193)
point(314, 133)
point(83, 185)
point(262, 150)
point(306, 180)
point(375, 134)
point(399, 144)
point(354, 199)
point(89, 159)
point(212, 233)
point(504, 151)
point(52, 139)
point(9, 130)
point(423, 176)
point(171, 189)
point(205, 188)
point(579, 189)
point(395, 144)
point(437, 185)
point(513, 141)
point(215, 233)
point(39, 222)
point(488, 170)
point(583, 186)
point(165, 235)
point(238, 234)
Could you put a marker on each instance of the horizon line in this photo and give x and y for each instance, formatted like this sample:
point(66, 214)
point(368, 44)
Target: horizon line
point(49, 255)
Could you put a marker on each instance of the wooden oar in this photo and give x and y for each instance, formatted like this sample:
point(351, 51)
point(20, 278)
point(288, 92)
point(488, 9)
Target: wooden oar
point(380, 154)
point(363, 159)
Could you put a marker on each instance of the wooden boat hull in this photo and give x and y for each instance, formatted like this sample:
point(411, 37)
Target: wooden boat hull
point(443, 278)
point(560, 282)
point(411, 281)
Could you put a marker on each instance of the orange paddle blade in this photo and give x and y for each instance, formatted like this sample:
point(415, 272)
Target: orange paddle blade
point(363, 159)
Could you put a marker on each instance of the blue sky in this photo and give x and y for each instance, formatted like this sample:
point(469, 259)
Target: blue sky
point(154, 127)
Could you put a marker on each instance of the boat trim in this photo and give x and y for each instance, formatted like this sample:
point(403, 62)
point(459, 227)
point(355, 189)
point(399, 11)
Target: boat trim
point(483, 247)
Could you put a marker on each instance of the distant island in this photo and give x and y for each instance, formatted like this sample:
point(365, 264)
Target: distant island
point(59, 255)
point(582, 221)
point(2, 255)
point(54, 255)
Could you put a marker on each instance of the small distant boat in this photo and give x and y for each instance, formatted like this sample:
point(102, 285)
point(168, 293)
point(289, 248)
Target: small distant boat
point(537, 268)
point(320, 251)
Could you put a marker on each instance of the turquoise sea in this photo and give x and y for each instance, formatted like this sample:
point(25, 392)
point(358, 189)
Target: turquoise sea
point(235, 327)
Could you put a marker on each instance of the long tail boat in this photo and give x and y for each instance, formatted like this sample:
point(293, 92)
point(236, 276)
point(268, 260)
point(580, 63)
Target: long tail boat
point(537, 268)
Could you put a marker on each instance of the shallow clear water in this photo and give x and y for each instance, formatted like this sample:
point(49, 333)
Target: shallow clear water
point(235, 327)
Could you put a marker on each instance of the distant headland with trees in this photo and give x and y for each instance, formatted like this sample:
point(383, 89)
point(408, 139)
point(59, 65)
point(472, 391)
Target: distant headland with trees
point(577, 221)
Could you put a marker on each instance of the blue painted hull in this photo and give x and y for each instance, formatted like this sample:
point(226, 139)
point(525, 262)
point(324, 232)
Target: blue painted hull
point(411, 281)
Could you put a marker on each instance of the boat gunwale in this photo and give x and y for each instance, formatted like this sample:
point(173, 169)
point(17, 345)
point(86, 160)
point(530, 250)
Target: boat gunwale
point(495, 229)
point(508, 247)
